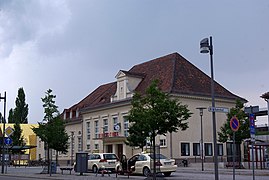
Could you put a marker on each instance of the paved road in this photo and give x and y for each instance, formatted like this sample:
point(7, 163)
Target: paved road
point(189, 173)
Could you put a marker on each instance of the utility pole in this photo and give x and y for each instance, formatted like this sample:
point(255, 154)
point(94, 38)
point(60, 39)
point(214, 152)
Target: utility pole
point(3, 132)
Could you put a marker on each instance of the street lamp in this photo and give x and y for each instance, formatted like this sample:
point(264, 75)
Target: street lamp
point(265, 96)
point(3, 132)
point(202, 143)
point(207, 47)
point(72, 148)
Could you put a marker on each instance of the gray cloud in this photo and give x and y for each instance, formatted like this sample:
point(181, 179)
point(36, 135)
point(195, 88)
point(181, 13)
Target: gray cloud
point(74, 46)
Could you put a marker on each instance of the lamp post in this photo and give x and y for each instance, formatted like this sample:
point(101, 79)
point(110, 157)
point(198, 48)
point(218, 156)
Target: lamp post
point(201, 109)
point(265, 96)
point(207, 47)
point(72, 148)
point(3, 133)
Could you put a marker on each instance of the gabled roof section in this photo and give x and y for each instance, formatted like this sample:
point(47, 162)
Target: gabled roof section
point(179, 76)
point(176, 75)
point(101, 95)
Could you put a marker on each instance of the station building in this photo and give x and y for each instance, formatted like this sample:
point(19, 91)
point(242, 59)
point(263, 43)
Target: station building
point(98, 122)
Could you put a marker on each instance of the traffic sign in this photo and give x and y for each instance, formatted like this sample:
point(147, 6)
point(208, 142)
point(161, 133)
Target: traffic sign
point(234, 124)
point(218, 109)
point(252, 124)
point(8, 131)
point(8, 141)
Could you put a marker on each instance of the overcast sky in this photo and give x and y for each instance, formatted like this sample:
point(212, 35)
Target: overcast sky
point(72, 47)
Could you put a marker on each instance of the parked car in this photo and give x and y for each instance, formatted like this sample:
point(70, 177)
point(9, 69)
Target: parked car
point(108, 161)
point(143, 164)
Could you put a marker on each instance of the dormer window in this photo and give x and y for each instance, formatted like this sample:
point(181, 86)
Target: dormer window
point(77, 113)
point(126, 84)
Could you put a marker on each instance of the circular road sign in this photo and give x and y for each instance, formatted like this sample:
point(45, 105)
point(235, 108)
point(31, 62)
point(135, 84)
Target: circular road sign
point(234, 123)
point(8, 141)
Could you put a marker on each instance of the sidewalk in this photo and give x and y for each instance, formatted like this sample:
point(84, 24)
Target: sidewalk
point(34, 173)
point(210, 170)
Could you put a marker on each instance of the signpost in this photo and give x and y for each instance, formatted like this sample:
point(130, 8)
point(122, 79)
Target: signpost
point(218, 109)
point(234, 124)
point(252, 135)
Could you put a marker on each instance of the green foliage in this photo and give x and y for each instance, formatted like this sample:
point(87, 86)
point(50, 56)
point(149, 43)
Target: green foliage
point(18, 139)
point(52, 132)
point(137, 136)
point(50, 109)
point(20, 112)
point(59, 137)
point(226, 132)
point(155, 113)
point(11, 116)
point(18, 116)
point(1, 117)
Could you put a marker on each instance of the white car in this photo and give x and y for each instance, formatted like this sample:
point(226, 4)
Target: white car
point(143, 164)
point(107, 161)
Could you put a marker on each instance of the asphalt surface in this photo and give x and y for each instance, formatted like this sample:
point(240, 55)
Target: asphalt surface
point(184, 173)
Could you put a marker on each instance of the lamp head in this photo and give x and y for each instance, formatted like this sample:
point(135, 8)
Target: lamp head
point(204, 46)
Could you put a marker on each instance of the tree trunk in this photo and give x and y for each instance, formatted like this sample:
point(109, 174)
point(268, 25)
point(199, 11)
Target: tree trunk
point(56, 158)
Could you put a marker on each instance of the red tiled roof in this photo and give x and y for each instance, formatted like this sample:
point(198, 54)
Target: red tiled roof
point(175, 75)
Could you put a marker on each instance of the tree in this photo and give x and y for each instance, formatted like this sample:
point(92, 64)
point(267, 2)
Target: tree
point(11, 116)
point(137, 136)
point(51, 130)
point(1, 117)
point(226, 133)
point(156, 113)
point(20, 112)
point(18, 116)
point(18, 139)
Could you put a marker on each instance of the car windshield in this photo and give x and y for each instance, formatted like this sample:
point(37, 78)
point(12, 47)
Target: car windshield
point(158, 156)
point(110, 156)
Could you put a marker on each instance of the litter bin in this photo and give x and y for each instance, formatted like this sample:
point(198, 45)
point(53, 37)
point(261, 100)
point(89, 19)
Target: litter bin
point(185, 162)
point(81, 162)
point(53, 167)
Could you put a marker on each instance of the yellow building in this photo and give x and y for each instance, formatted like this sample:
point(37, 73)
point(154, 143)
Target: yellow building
point(29, 137)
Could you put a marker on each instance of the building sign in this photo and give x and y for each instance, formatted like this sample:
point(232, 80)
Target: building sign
point(109, 134)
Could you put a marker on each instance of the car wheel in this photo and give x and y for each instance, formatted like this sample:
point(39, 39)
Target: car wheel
point(94, 169)
point(166, 174)
point(146, 171)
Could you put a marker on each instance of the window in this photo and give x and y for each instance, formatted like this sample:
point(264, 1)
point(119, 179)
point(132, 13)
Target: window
point(126, 126)
point(185, 149)
point(96, 146)
point(88, 146)
point(208, 149)
point(163, 142)
point(196, 149)
point(105, 125)
point(88, 126)
point(220, 149)
point(79, 144)
point(96, 129)
point(115, 120)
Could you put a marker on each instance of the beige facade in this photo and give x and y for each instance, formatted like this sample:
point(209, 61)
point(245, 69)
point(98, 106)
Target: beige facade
point(104, 126)
point(101, 136)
